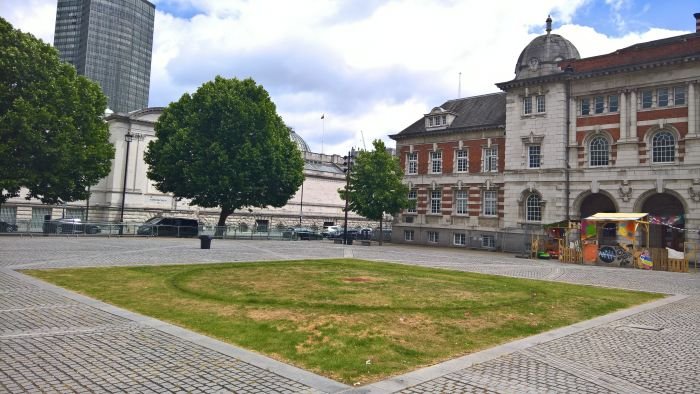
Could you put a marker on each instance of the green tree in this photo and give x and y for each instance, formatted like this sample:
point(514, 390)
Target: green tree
point(53, 139)
point(375, 186)
point(225, 146)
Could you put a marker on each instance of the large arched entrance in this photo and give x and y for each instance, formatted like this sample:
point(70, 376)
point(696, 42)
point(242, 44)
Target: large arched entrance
point(596, 202)
point(667, 216)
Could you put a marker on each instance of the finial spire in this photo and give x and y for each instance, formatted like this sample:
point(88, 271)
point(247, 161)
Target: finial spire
point(549, 24)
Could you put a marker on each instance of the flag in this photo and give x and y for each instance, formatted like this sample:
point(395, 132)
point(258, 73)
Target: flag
point(323, 116)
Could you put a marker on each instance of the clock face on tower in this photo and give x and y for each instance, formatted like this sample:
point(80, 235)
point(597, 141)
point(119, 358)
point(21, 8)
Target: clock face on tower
point(534, 62)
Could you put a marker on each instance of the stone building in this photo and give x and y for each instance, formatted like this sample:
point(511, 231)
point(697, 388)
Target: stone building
point(566, 138)
point(317, 203)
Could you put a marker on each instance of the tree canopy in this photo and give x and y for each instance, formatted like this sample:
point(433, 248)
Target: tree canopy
point(225, 146)
point(375, 186)
point(53, 139)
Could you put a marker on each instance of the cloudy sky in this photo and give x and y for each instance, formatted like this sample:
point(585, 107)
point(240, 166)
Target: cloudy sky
point(371, 66)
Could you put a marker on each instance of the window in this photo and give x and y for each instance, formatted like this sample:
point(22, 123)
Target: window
point(534, 156)
point(460, 239)
point(430, 121)
point(408, 235)
point(599, 104)
point(646, 98)
point(489, 203)
point(444, 119)
point(433, 236)
point(435, 201)
point(599, 150)
point(488, 241)
point(462, 161)
point(679, 95)
point(412, 201)
point(490, 162)
point(533, 208)
point(436, 162)
point(662, 97)
point(663, 147)
point(461, 202)
point(75, 213)
point(585, 106)
point(527, 105)
point(413, 163)
point(540, 104)
point(613, 103)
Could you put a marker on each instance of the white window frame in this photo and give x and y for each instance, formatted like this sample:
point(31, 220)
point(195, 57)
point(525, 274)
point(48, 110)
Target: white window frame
point(534, 159)
point(660, 154)
point(489, 162)
point(613, 108)
point(433, 237)
point(533, 208)
point(461, 202)
point(598, 157)
point(527, 105)
point(679, 92)
point(436, 162)
point(413, 196)
point(435, 202)
point(663, 97)
point(598, 105)
point(488, 241)
point(462, 161)
point(646, 99)
point(489, 200)
point(412, 163)
point(459, 239)
point(409, 235)
point(541, 104)
point(585, 106)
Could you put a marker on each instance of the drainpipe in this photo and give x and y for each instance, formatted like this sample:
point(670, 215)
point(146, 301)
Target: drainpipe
point(567, 178)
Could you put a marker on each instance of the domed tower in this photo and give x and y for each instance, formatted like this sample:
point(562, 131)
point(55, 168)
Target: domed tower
point(543, 54)
point(301, 144)
point(538, 114)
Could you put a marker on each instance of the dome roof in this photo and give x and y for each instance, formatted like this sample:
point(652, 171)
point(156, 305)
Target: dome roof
point(299, 141)
point(541, 56)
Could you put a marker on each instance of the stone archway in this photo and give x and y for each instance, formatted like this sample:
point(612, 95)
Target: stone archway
point(668, 209)
point(594, 203)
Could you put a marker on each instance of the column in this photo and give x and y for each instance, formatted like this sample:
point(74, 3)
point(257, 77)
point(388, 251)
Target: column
point(633, 115)
point(692, 110)
point(624, 125)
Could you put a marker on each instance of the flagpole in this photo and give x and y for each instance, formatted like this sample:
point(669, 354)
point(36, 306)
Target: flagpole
point(323, 130)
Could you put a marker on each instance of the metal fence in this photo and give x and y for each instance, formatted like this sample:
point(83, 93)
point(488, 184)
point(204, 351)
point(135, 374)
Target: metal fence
point(76, 228)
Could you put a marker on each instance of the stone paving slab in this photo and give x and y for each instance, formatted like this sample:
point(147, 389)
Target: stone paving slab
point(52, 340)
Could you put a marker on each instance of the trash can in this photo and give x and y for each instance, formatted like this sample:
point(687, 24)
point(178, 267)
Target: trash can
point(205, 241)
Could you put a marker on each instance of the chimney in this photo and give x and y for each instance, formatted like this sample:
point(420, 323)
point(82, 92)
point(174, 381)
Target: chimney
point(697, 22)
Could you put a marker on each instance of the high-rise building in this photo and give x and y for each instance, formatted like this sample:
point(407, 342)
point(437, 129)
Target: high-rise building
point(110, 42)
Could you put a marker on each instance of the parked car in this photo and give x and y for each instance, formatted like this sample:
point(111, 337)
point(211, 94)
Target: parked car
point(7, 227)
point(352, 234)
point(364, 233)
point(330, 231)
point(69, 226)
point(169, 227)
point(304, 233)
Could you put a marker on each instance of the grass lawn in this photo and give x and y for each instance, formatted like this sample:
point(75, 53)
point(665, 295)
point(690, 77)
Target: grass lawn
point(353, 321)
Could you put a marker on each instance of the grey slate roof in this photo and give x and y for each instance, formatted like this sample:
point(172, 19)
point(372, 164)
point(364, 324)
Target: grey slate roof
point(473, 113)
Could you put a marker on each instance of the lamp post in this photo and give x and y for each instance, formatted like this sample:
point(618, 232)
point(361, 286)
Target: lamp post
point(348, 167)
point(128, 137)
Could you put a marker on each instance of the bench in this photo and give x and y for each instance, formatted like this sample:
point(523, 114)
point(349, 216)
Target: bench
point(366, 242)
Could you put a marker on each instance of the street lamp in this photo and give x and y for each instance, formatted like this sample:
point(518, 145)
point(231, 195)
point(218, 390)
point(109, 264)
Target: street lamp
point(128, 137)
point(348, 166)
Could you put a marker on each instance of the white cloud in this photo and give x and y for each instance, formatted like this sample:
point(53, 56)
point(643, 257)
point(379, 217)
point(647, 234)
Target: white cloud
point(374, 65)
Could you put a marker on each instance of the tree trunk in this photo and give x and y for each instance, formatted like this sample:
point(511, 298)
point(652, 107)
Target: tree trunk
point(381, 230)
point(221, 226)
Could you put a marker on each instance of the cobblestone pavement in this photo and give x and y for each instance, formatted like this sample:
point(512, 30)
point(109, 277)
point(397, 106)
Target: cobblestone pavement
point(54, 341)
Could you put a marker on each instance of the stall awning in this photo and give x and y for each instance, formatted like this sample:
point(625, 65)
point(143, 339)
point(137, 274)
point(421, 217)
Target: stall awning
point(616, 217)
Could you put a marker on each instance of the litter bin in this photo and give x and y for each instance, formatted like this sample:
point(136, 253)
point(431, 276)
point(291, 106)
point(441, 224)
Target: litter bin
point(205, 241)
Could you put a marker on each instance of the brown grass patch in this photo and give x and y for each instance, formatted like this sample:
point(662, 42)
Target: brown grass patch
point(362, 279)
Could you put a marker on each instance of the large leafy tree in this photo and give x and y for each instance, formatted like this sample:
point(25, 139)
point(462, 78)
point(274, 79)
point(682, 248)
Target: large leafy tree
point(225, 146)
point(375, 186)
point(53, 139)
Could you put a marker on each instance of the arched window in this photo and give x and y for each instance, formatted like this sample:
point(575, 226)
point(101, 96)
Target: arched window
point(533, 208)
point(663, 147)
point(599, 150)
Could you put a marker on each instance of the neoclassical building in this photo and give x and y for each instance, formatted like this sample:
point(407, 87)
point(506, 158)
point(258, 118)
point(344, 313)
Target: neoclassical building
point(566, 138)
point(316, 203)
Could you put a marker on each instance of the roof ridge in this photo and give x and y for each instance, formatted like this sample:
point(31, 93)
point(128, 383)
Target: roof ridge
point(477, 96)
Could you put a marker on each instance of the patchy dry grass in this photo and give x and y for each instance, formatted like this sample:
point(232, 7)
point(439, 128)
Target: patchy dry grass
point(350, 320)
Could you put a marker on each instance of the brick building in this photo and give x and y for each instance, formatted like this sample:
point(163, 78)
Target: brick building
point(566, 138)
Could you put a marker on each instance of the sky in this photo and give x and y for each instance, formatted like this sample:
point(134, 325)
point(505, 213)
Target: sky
point(369, 68)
